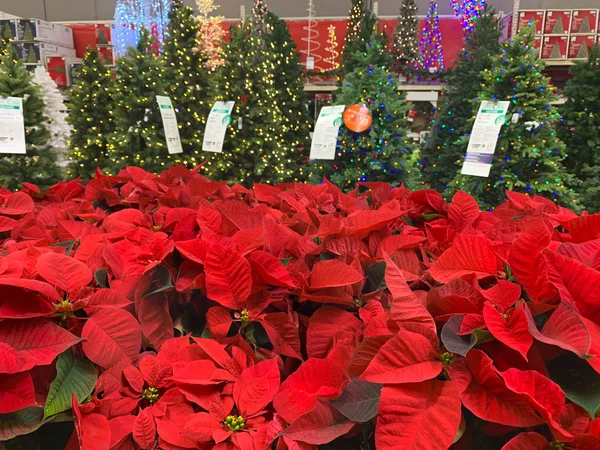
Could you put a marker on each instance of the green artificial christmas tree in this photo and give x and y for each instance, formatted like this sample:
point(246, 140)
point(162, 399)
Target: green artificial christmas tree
point(38, 165)
point(186, 78)
point(405, 46)
point(383, 152)
point(138, 139)
point(255, 148)
point(90, 115)
point(529, 155)
point(289, 83)
point(580, 128)
point(443, 151)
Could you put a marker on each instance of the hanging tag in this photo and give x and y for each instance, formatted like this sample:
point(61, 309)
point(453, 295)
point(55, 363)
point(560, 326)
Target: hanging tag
point(240, 123)
point(515, 118)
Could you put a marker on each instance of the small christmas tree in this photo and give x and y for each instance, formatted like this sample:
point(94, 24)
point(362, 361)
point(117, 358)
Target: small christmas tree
point(368, 37)
point(529, 156)
point(332, 52)
point(382, 153)
point(56, 112)
point(211, 33)
point(38, 165)
point(139, 138)
point(405, 44)
point(90, 115)
point(444, 148)
point(289, 84)
point(259, 15)
point(580, 125)
point(353, 40)
point(431, 54)
point(312, 39)
point(255, 149)
point(187, 78)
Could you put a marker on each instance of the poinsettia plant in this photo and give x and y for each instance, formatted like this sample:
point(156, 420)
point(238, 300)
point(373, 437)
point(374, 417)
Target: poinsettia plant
point(172, 312)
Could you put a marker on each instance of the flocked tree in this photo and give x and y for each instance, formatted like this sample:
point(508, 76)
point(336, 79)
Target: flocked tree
point(383, 152)
point(580, 127)
point(38, 165)
point(444, 149)
point(138, 139)
point(405, 44)
point(56, 112)
point(529, 155)
point(211, 33)
point(291, 97)
point(186, 78)
point(90, 115)
point(255, 148)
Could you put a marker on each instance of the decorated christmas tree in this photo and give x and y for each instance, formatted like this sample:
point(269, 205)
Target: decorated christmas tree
point(289, 84)
point(332, 50)
point(186, 78)
point(56, 112)
point(38, 165)
point(529, 155)
point(259, 16)
point(354, 39)
point(211, 33)
point(138, 139)
point(580, 125)
point(255, 148)
point(431, 54)
point(405, 45)
point(90, 115)
point(383, 152)
point(443, 151)
point(368, 38)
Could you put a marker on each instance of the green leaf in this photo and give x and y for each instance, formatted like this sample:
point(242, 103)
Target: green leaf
point(161, 281)
point(577, 379)
point(101, 278)
point(68, 245)
point(375, 277)
point(327, 256)
point(20, 422)
point(73, 376)
point(462, 344)
point(360, 401)
point(285, 261)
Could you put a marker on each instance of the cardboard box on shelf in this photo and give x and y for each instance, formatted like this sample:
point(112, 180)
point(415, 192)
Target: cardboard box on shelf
point(536, 16)
point(555, 47)
point(579, 45)
point(104, 34)
point(8, 29)
point(558, 21)
point(41, 31)
point(106, 54)
point(57, 68)
point(37, 52)
point(585, 21)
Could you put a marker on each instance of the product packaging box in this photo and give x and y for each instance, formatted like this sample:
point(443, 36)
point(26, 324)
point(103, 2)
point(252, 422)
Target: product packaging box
point(106, 54)
point(558, 21)
point(584, 21)
point(555, 47)
point(579, 46)
point(41, 31)
point(37, 52)
point(536, 16)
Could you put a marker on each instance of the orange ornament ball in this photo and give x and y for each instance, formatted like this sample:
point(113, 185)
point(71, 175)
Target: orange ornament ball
point(358, 118)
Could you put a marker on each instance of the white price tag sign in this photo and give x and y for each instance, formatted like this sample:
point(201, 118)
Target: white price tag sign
point(169, 120)
point(325, 136)
point(216, 127)
point(12, 126)
point(484, 138)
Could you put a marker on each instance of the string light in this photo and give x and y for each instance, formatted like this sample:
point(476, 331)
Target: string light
point(332, 59)
point(468, 12)
point(431, 56)
point(133, 15)
point(405, 46)
point(210, 34)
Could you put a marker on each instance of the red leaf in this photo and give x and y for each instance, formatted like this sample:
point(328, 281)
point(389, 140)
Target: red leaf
point(93, 430)
point(31, 285)
point(485, 394)
point(463, 212)
point(16, 392)
point(120, 428)
point(201, 372)
point(504, 294)
point(565, 329)
point(513, 332)
point(406, 358)
point(19, 303)
point(217, 353)
point(111, 336)
point(63, 272)
point(333, 273)
point(256, 387)
point(423, 416)
point(201, 427)
point(527, 441)
point(283, 334)
point(270, 269)
point(399, 242)
point(299, 392)
point(144, 430)
point(107, 298)
point(209, 219)
point(323, 326)
point(468, 255)
point(320, 426)
point(194, 250)
point(365, 353)
point(228, 277)
point(155, 320)
point(17, 204)
point(218, 321)
point(361, 223)
point(28, 343)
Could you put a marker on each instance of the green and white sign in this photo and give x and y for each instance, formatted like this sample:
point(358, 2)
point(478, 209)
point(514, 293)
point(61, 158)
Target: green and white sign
point(216, 127)
point(12, 126)
point(484, 138)
point(169, 120)
point(326, 132)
